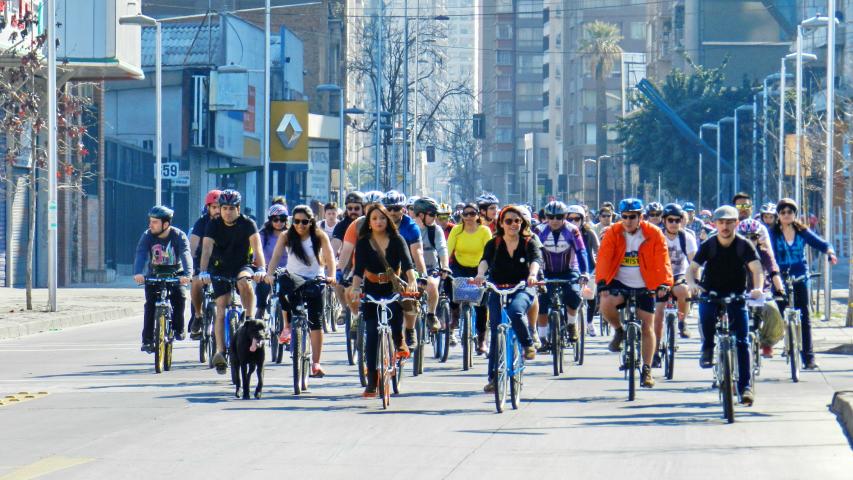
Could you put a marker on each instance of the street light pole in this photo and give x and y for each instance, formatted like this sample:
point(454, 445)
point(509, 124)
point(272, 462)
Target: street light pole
point(265, 146)
point(406, 96)
point(719, 157)
point(52, 222)
point(741, 108)
point(598, 179)
point(712, 126)
point(830, 151)
point(779, 190)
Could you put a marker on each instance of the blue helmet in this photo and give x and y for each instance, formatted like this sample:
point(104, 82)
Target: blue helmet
point(689, 207)
point(230, 197)
point(631, 205)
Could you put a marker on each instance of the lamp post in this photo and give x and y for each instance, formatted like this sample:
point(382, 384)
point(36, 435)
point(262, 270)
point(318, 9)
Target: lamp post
point(598, 179)
point(742, 108)
point(146, 21)
point(583, 178)
point(326, 87)
point(782, 77)
point(702, 137)
point(719, 157)
point(798, 57)
point(52, 223)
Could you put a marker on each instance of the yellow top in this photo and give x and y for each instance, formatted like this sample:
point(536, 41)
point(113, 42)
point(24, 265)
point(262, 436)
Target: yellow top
point(466, 247)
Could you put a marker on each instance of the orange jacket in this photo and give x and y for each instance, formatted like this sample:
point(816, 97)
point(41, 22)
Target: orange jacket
point(653, 256)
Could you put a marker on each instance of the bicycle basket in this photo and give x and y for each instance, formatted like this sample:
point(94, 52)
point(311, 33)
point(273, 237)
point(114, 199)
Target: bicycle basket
point(466, 292)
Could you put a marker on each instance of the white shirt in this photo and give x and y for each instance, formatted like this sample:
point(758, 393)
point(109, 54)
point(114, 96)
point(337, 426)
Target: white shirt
point(298, 267)
point(629, 270)
point(327, 228)
point(677, 258)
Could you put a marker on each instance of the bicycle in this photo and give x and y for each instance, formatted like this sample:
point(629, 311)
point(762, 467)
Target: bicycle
point(275, 319)
point(387, 365)
point(508, 358)
point(630, 357)
point(557, 323)
point(330, 309)
point(164, 335)
point(421, 338)
point(755, 309)
point(440, 340)
point(467, 296)
point(668, 342)
point(726, 367)
point(300, 340)
point(793, 346)
point(234, 317)
point(207, 343)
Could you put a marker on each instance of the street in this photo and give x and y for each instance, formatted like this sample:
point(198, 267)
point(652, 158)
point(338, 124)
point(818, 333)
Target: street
point(107, 415)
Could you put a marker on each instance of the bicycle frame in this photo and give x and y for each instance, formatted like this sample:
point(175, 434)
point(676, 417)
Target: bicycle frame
point(383, 330)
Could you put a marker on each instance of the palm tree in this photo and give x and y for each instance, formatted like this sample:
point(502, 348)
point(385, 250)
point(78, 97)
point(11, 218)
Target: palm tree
point(601, 44)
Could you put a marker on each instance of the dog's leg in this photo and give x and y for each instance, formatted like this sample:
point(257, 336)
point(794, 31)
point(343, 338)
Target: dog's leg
point(260, 379)
point(245, 373)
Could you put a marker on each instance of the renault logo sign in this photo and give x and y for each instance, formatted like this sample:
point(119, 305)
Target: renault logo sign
point(289, 131)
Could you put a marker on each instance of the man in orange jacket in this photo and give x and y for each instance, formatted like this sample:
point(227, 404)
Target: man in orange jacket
point(633, 256)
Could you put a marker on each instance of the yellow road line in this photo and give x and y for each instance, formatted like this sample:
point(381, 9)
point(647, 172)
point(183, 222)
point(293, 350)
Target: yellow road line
point(20, 397)
point(44, 467)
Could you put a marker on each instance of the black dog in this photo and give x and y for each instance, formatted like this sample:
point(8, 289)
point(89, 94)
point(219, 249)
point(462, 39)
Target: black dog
point(249, 354)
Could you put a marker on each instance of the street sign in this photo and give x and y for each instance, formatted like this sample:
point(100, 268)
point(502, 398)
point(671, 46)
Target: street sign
point(170, 170)
point(181, 182)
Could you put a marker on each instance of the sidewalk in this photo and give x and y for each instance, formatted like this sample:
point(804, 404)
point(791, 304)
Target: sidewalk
point(77, 306)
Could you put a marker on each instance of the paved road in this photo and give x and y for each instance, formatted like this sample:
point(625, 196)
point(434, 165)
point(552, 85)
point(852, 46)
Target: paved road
point(107, 415)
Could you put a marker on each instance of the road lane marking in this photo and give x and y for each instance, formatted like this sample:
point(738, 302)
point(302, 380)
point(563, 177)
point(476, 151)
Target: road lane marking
point(20, 397)
point(45, 466)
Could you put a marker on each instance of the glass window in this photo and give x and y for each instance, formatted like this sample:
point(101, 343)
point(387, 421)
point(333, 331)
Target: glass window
point(529, 9)
point(504, 32)
point(504, 82)
point(589, 137)
point(504, 57)
point(638, 30)
point(504, 108)
point(503, 135)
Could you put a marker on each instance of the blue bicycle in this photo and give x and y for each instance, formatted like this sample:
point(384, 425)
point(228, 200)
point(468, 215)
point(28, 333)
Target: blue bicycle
point(234, 316)
point(509, 360)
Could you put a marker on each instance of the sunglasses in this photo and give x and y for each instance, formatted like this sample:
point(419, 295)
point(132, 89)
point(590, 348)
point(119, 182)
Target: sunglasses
point(279, 218)
point(673, 220)
point(744, 206)
point(304, 221)
point(429, 214)
point(510, 221)
point(354, 209)
point(444, 218)
point(632, 216)
point(469, 214)
point(575, 219)
point(787, 211)
point(555, 217)
point(605, 214)
point(656, 215)
point(395, 209)
point(754, 238)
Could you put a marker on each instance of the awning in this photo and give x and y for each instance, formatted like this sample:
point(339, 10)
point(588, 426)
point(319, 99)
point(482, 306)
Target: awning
point(232, 170)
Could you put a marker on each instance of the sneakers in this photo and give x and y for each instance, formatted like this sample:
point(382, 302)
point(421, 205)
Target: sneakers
point(284, 336)
point(707, 358)
point(616, 344)
point(529, 352)
point(341, 320)
point(573, 333)
point(147, 347)
point(647, 380)
point(656, 359)
point(220, 363)
point(370, 389)
point(747, 398)
point(481, 344)
point(195, 331)
point(411, 338)
point(545, 348)
point(454, 339)
point(683, 332)
point(432, 322)
point(810, 365)
point(489, 387)
point(590, 330)
point(766, 351)
point(535, 336)
point(402, 348)
point(179, 336)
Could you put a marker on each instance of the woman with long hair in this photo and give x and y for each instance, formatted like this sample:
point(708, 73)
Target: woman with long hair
point(309, 255)
point(377, 239)
point(510, 258)
point(465, 245)
point(789, 238)
point(275, 225)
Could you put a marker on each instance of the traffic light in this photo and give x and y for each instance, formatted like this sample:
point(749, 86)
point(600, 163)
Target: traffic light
point(479, 127)
point(430, 153)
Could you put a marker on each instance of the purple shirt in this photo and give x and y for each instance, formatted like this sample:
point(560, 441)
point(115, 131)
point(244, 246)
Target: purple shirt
point(268, 241)
point(563, 250)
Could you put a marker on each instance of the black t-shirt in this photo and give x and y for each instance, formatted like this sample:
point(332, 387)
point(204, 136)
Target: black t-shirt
point(511, 271)
point(396, 254)
point(199, 229)
point(726, 271)
point(231, 250)
point(341, 228)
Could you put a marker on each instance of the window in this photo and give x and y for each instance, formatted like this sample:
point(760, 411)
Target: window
point(529, 64)
point(529, 9)
point(504, 108)
point(558, 101)
point(638, 30)
point(503, 6)
point(589, 131)
point(559, 40)
point(589, 99)
point(504, 57)
point(558, 132)
point(504, 32)
point(503, 135)
point(504, 82)
point(545, 125)
point(545, 71)
point(530, 37)
point(545, 99)
point(546, 40)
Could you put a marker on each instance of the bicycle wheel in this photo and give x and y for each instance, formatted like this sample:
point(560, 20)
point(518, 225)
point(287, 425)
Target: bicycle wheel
point(581, 343)
point(397, 377)
point(467, 337)
point(167, 338)
point(296, 346)
point(515, 382)
point(159, 343)
point(448, 331)
point(793, 351)
point(500, 374)
point(277, 322)
point(418, 360)
point(726, 386)
point(556, 342)
point(208, 335)
point(669, 354)
point(384, 368)
point(603, 326)
point(350, 337)
point(631, 359)
point(360, 342)
point(306, 358)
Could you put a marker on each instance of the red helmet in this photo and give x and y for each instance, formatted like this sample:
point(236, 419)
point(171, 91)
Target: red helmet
point(212, 197)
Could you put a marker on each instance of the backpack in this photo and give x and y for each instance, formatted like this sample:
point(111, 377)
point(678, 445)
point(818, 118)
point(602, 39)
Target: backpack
point(740, 247)
point(431, 235)
point(682, 241)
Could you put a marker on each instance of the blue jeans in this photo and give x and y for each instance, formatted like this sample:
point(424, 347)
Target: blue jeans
point(516, 309)
point(739, 324)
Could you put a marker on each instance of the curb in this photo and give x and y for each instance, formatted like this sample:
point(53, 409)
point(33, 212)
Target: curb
point(842, 406)
point(59, 321)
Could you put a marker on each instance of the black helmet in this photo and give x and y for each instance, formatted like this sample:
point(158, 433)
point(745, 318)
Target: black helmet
point(162, 213)
point(230, 197)
point(425, 205)
point(672, 210)
point(354, 197)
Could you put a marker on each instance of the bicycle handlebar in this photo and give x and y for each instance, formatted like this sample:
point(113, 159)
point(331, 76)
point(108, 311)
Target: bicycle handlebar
point(713, 297)
point(507, 290)
point(162, 280)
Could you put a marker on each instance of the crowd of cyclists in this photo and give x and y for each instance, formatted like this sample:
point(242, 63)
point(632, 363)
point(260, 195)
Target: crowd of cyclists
point(378, 244)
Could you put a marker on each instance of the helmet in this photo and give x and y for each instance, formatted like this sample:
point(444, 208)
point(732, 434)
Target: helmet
point(211, 197)
point(576, 209)
point(486, 200)
point(410, 202)
point(373, 197)
point(556, 208)
point(444, 209)
point(425, 205)
point(689, 207)
point(230, 197)
point(525, 212)
point(672, 210)
point(393, 198)
point(276, 210)
point(354, 197)
point(768, 208)
point(787, 202)
point(459, 206)
point(654, 207)
point(631, 205)
point(161, 212)
point(749, 227)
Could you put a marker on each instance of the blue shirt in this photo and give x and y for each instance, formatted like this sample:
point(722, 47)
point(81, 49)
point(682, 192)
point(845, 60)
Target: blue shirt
point(409, 230)
point(791, 258)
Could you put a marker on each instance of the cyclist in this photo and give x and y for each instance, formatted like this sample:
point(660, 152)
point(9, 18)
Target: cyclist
point(275, 225)
point(654, 214)
point(457, 212)
point(347, 252)
point(444, 219)
point(354, 205)
point(577, 216)
point(565, 258)
point(693, 224)
point(425, 209)
point(772, 327)
point(633, 255)
point(164, 249)
point(681, 245)
point(465, 246)
point(743, 203)
point(330, 218)
point(510, 258)
point(768, 215)
point(488, 205)
point(727, 259)
point(232, 247)
point(211, 211)
point(378, 239)
point(309, 255)
point(789, 240)
point(605, 219)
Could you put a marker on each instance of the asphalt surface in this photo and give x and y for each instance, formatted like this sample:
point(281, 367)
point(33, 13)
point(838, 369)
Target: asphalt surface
point(99, 411)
